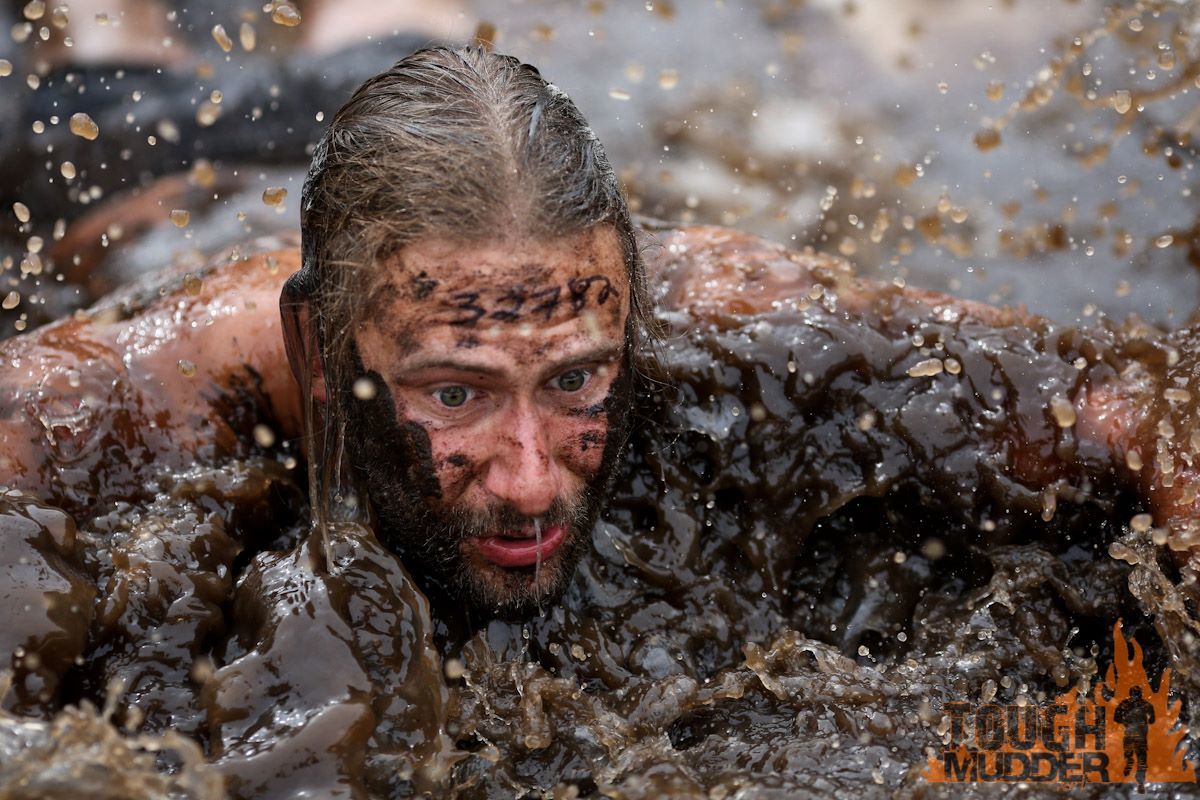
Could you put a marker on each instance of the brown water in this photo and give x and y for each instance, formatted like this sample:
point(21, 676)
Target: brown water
point(809, 551)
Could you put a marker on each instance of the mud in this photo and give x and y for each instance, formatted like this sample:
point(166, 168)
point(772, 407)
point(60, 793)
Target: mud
point(812, 546)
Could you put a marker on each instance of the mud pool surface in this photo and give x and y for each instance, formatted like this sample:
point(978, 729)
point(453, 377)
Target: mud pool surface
point(809, 551)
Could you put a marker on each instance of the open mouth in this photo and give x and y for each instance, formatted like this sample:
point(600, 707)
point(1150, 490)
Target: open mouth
point(521, 549)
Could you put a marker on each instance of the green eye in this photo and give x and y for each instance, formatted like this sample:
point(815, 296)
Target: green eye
point(573, 380)
point(452, 396)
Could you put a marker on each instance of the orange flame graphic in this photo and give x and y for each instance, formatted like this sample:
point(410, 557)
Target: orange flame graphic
point(1122, 731)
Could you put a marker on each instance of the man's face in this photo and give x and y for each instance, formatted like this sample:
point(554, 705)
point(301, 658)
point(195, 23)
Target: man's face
point(501, 390)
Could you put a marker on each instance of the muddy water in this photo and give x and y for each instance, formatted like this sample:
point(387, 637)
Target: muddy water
point(811, 547)
point(809, 551)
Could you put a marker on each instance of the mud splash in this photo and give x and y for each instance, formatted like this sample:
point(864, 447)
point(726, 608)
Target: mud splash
point(816, 541)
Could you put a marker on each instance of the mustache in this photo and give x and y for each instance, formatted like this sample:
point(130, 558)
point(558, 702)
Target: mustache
point(461, 523)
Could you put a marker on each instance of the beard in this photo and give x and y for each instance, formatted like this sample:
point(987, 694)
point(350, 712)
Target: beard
point(438, 541)
point(393, 462)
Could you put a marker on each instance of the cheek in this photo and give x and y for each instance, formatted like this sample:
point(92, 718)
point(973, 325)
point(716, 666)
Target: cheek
point(582, 445)
point(454, 462)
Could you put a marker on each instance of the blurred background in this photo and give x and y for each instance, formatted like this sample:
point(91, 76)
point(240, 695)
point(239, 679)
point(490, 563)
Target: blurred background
point(1011, 151)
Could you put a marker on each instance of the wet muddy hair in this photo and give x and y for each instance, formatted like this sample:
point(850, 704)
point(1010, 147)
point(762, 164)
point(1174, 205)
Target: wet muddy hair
point(454, 143)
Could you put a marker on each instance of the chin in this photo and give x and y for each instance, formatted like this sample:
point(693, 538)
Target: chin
point(519, 592)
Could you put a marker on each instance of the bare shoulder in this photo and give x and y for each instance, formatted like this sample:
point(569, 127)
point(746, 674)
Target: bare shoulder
point(712, 273)
point(91, 405)
point(722, 275)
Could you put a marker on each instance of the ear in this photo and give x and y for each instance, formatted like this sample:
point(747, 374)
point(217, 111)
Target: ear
point(300, 341)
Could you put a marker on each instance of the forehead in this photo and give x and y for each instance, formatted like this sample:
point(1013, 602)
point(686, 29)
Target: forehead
point(445, 292)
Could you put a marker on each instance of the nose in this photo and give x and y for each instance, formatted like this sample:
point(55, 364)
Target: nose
point(523, 472)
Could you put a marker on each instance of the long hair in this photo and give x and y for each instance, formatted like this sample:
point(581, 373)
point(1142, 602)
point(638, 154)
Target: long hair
point(454, 143)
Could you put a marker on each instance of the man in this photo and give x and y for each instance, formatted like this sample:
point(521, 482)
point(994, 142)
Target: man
point(1136, 715)
point(470, 340)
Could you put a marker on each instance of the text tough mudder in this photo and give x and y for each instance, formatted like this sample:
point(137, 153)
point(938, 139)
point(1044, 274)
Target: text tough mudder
point(1120, 730)
point(1026, 743)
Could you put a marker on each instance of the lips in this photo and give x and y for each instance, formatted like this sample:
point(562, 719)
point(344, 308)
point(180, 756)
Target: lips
point(520, 549)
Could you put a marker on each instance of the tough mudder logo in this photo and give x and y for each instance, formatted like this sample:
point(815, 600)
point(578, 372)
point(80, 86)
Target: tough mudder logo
point(1123, 732)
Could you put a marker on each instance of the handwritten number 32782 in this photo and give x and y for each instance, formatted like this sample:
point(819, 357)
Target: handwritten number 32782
point(515, 302)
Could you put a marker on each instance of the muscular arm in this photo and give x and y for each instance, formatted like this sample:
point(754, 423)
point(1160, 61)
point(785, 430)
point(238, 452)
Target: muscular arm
point(995, 411)
point(94, 409)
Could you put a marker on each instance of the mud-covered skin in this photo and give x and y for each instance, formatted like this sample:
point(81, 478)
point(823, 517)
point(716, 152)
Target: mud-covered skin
point(783, 594)
point(157, 377)
point(515, 446)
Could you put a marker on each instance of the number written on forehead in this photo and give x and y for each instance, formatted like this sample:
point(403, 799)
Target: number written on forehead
point(515, 302)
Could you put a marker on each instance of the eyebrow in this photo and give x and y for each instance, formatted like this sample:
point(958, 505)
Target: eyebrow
point(597, 355)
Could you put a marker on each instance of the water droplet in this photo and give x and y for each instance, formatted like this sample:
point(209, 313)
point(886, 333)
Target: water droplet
point(1049, 505)
point(364, 389)
point(995, 91)
point(618, 94)
point(987, 139)
point(1164, 241)
point(34, 9)
point(247, 37)
point(83, 126)
point(180, 217)
point(222, 38)
point(22, 212)
point(263, 436)
point(168, 130)
point(1063, 411)
point(1122, 101)
point(1141, 523)
point(933, 548)
point(207, 113)
point(192, 284)
point(5, 68)
point(285, 14)
point(927, 368)
point(186, 368)
point(67, 169)
point(274, 195)
point(10, 301)
point(943, 87)
point(203, 174)
point(668, 79)
point(905, 175)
